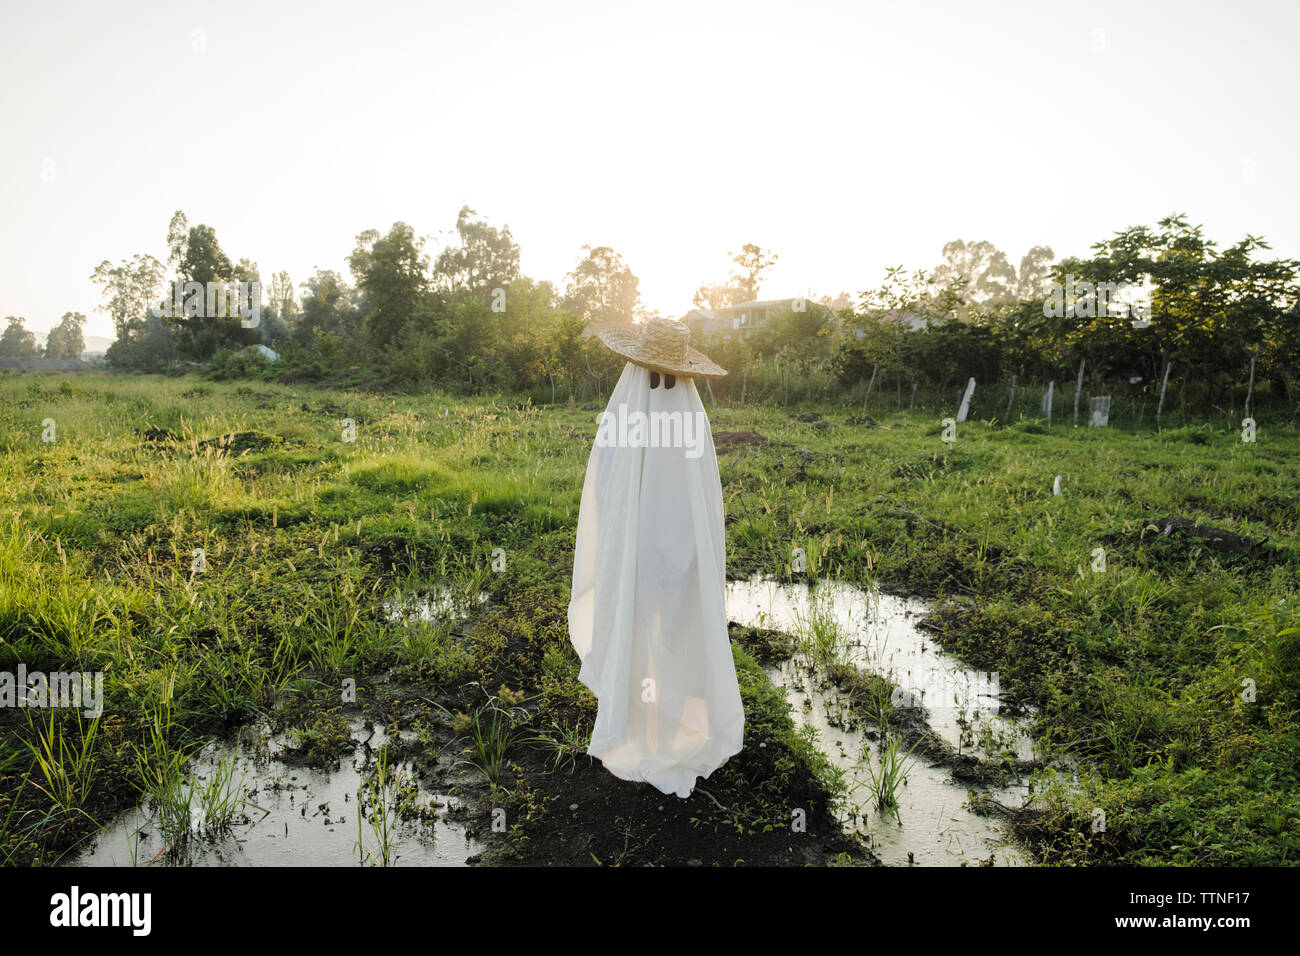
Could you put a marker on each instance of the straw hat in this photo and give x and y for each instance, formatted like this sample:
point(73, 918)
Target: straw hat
point(660, 345)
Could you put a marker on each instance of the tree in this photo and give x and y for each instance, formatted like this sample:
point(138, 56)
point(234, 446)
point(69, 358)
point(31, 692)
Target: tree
point(16, 341)
point(67, 339)
point(718, 296)
point(1035, 274)
point(328, 307)
point(281, 300)
point(485, 259)
point(203, 329)
point(881, 338)
point(979, 270)
point(601, 287)
point(391, 273)
point(202, 260)
point(563, 351)
point(178, 231)
point(753, 262)
point(1211, 309)
point(151, 348)
point(740, 286)
point(803, 335)
point(130, 290)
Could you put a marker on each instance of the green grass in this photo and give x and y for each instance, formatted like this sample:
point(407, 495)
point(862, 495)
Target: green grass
point(66, 763)
point(1138, 671)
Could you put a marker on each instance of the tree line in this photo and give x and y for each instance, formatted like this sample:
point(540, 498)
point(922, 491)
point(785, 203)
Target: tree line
point(467, 319)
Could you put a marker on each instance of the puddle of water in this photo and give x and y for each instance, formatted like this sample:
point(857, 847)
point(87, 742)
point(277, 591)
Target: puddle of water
point(293, 816)
point(962, 705)
point(936, 826)
point(443, 604)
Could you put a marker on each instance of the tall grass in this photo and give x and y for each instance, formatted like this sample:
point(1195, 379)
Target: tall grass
point(819, 636)
point(381, 801)
point(67, 766)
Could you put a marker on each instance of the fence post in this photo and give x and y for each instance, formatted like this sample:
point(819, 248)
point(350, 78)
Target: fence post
point(1099, 417)
point(1163, 385)
point(1250, 392)
point(965, 401)
point(870, 385)
point(1078, 387)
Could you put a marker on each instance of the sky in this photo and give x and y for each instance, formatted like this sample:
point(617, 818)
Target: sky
point(844, 136)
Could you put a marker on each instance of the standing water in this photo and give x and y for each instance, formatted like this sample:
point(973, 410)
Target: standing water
point(284, 815)
point(878, 633)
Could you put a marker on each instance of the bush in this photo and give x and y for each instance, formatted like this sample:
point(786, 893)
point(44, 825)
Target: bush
point(227, 365)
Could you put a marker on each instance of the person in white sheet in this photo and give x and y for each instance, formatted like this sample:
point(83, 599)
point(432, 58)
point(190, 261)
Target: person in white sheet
point(647, 614)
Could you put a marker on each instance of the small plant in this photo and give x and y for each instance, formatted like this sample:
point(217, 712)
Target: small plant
point(565, 744)
point(880, 701)
point(492, 729)
point(184, 806)
point(819, 636)
point(381, 801)
point(220, 799)
point(624, 855)
point(889, 773)
point(338, 633)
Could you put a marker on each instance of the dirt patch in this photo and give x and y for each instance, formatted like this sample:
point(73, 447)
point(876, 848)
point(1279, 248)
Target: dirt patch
point(729, 441)
point(393, 554)
point(1178, 535)
point(334, 411)
point(239, 442)
point(766, 645)
point(921, 466)
point(800, 458)
point(587, 816)
point(243, 391)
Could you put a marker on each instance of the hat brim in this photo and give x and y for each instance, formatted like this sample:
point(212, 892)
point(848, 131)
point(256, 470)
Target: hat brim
point(627, 343)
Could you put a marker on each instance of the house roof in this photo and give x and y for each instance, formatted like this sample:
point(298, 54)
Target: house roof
point(764, 303)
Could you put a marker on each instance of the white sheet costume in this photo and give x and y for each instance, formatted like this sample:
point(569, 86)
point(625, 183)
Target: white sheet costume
point(648, 612)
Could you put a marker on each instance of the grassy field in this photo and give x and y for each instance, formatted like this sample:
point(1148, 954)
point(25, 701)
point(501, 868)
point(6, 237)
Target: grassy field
point(1172, 676)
